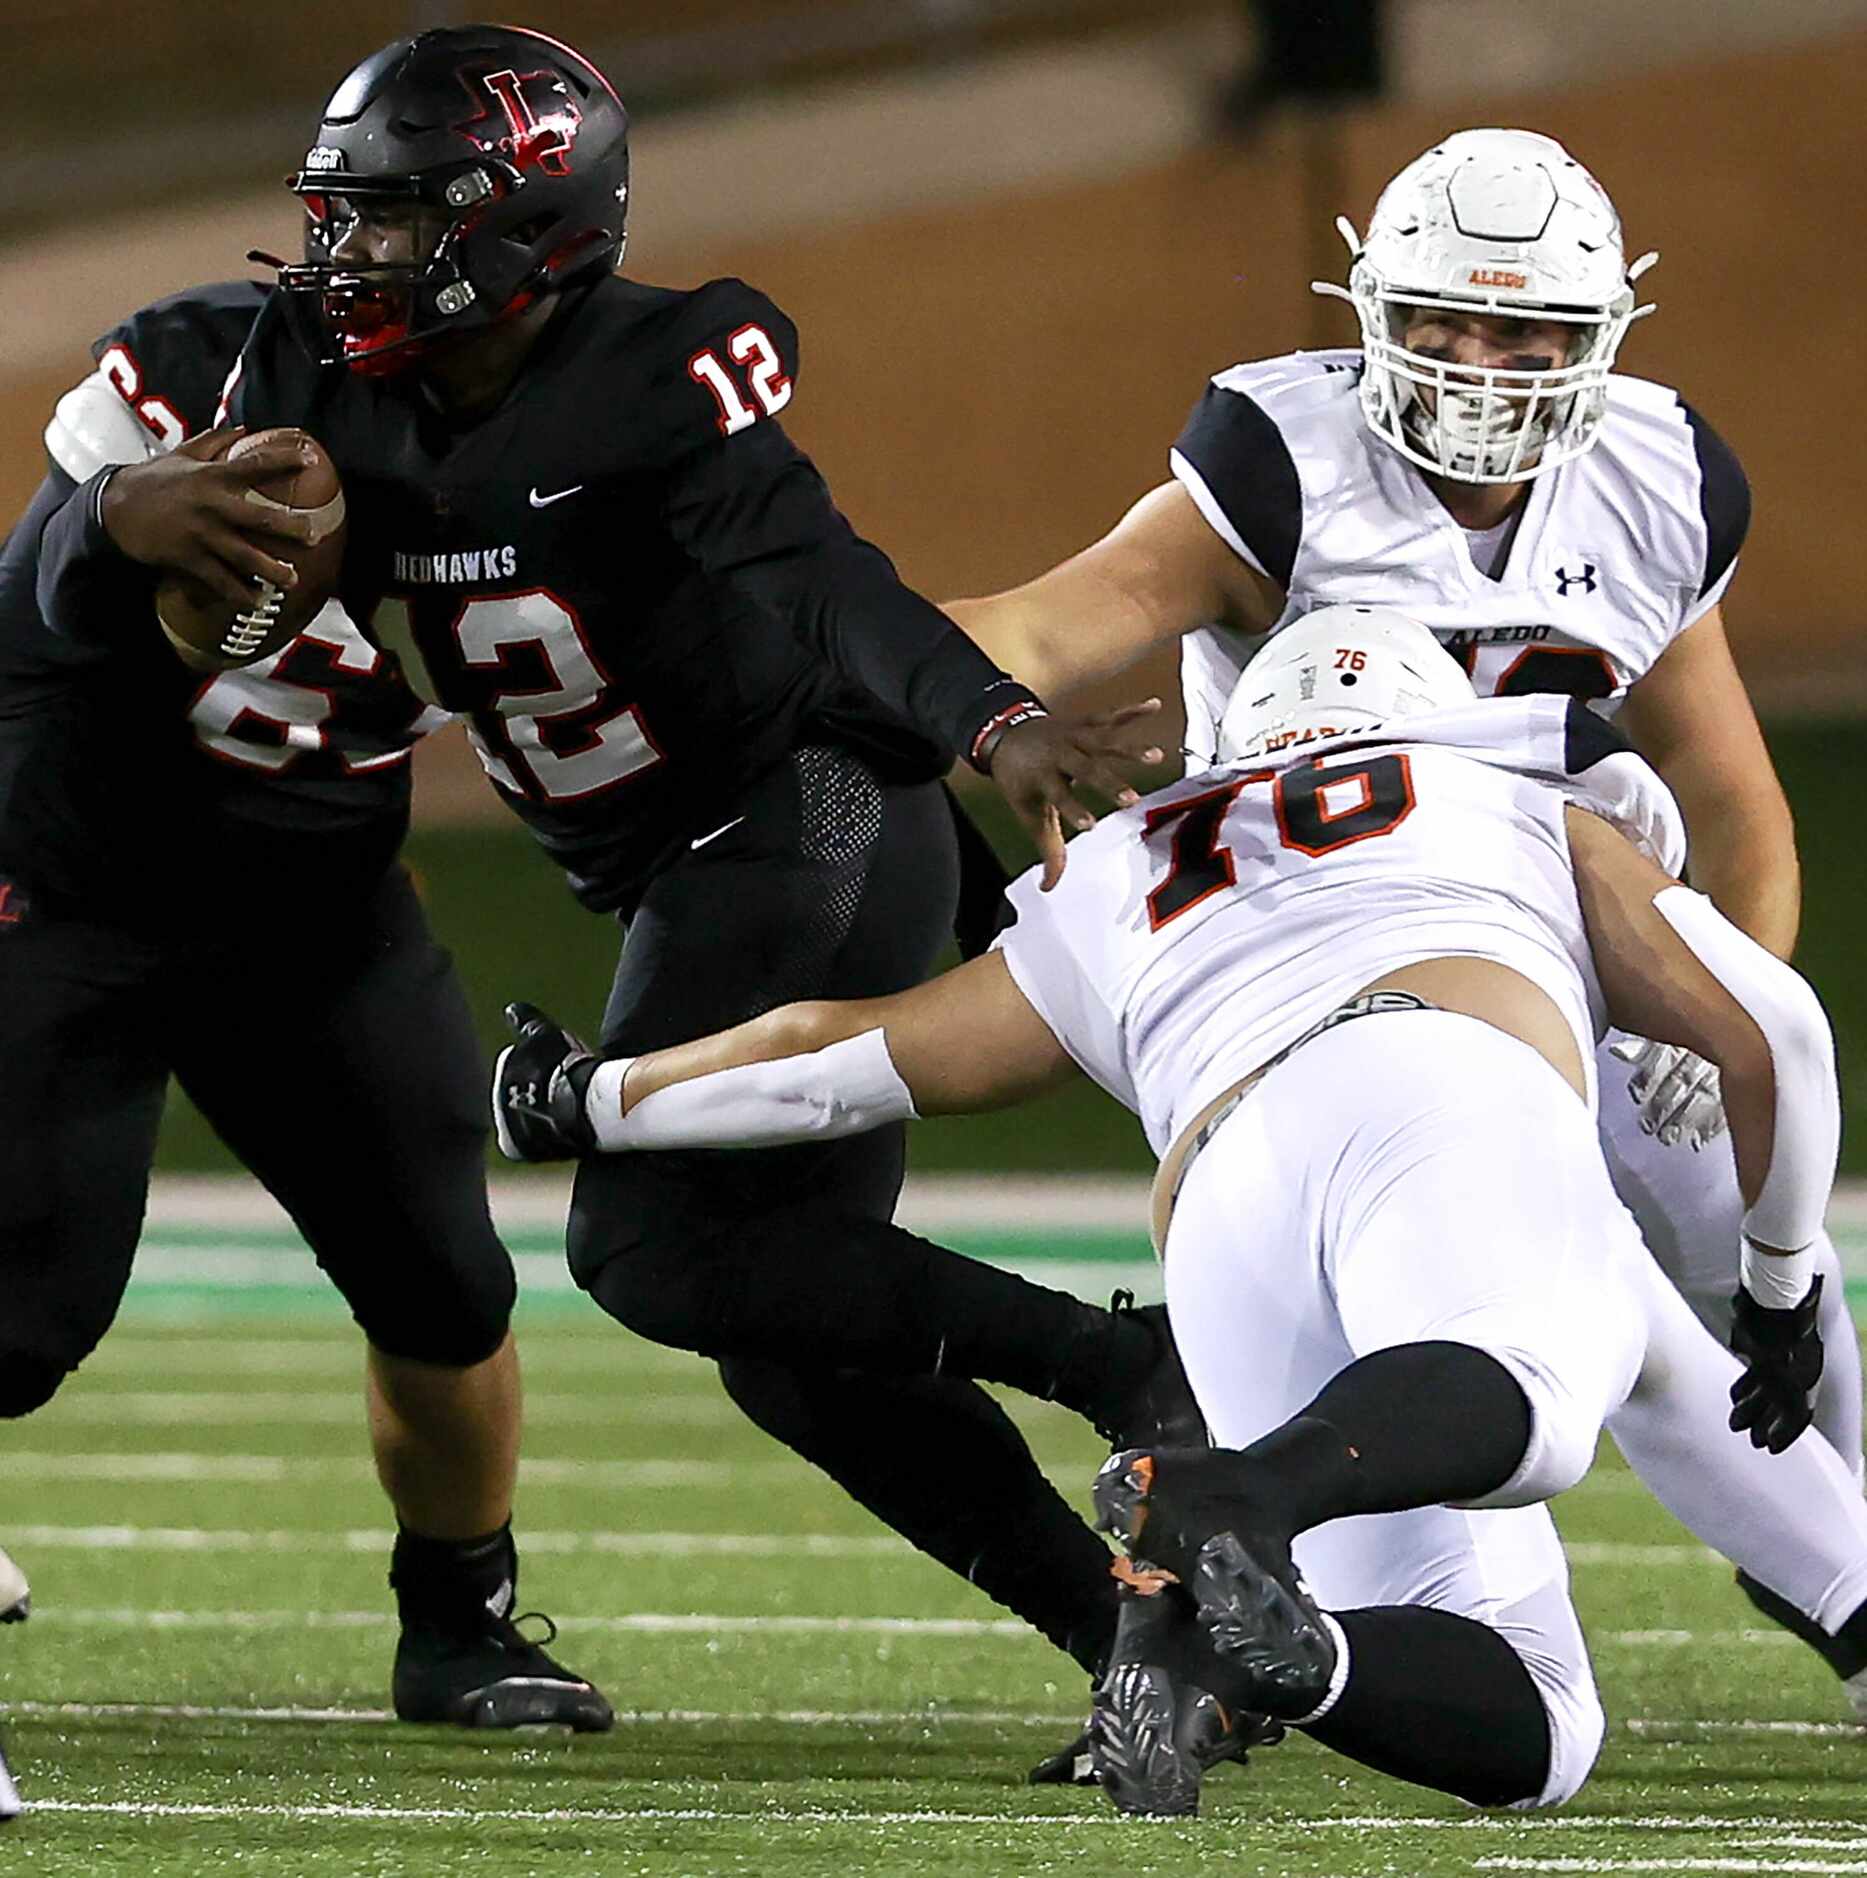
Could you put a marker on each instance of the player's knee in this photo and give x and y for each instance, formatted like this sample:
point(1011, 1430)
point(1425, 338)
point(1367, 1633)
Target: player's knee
point(455, 1318)
point(28, 1381)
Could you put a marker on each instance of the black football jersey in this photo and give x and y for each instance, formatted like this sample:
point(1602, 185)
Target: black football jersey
point(125, 777)
point(625, 576)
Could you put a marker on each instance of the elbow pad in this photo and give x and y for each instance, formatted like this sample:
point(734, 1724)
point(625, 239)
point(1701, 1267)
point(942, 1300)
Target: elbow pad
point(1793, 1199)
point(846, 1089)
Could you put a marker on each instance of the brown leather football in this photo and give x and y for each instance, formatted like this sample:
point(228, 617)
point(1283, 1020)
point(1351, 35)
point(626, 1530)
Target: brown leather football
point(209, 632)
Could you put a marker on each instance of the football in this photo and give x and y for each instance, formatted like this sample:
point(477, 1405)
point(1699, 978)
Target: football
point(211, 634)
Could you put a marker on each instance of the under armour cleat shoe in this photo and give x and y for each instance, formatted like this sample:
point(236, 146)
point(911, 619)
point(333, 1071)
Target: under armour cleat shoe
point(1261, 1620)
point(492, 1677)
point(1158, 1407)
point(1070, 1766)
point(15, 1596)
point(539, 1083)
point(1155, 1732)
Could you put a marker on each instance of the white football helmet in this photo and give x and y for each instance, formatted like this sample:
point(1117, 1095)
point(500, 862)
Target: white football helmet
point(1337, 670)
point(1503, 222)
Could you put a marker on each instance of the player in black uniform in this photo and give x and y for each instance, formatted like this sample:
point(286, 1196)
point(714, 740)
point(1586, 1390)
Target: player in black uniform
point(197, 872)
point(720, 710)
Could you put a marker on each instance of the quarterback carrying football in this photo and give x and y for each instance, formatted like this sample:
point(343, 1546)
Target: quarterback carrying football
point(718, 709)
point(1351, 979)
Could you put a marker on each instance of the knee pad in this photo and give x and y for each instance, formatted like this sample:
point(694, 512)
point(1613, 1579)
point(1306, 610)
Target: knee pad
point(452, 1311)
point(27, 1382)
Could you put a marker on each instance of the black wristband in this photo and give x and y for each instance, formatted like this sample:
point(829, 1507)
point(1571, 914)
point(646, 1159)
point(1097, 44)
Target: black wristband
point(1022, 711)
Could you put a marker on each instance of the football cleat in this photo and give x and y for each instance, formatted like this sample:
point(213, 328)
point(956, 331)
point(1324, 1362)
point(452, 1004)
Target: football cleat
point(539, 1083)
point(1155, 1732)
point(1262, 1621)
point(1190, 1509)
point(492, 1677)
point(1157, 1408)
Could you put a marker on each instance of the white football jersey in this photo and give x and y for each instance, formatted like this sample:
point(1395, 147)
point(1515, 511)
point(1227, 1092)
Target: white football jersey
point(1615, 553)
point(1195, 935)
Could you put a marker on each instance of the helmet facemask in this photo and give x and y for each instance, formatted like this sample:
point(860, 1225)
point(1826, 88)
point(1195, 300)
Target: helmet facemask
point(1507, 225)
point(1476, 423)
point(495, 164)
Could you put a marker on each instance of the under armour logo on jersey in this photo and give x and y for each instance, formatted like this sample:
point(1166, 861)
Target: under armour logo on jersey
point(1585, 579)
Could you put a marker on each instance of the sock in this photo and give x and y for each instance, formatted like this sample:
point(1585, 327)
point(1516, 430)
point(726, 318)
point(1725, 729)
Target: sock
point(454, 1583)
point(1415, 1425)
point(939, 1461)
point(1441, 1701)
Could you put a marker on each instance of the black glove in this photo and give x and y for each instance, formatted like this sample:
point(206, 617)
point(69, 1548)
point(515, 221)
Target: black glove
point(1782, 1356)
point(538, 1090)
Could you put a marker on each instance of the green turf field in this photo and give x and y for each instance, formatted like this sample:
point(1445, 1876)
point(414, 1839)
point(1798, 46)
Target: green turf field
point(202, 1683)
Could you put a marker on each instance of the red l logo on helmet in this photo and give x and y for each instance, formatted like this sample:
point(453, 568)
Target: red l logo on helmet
point(545, 141)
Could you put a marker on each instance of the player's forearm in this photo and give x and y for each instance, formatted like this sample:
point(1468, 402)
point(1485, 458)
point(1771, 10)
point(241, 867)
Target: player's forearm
point(1744, 857)
point(1784, 1104)
point(1061, 632)
point(745, 1090)
point(85, 585)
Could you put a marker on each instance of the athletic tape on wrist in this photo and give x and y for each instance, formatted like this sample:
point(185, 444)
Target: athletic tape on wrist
point(1779, 1281)
point(1338, 1677)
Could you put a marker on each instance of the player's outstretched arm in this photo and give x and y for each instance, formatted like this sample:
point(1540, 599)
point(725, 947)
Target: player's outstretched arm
point(1157, 574)
point(1673, 967)
point(966, 1041)
point(1691, 718)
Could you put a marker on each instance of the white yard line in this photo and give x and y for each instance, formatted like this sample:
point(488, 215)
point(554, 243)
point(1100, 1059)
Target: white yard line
point(651, 1623)
point(625, 1718)
point(258, 1468)
point(1836, 1730)
point(1667, 1864)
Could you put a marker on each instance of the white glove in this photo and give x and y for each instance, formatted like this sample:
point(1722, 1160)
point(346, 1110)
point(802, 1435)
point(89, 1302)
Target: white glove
point(1676, 1092)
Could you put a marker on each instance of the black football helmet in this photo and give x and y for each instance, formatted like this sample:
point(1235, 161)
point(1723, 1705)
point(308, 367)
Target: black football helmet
point(509, 151)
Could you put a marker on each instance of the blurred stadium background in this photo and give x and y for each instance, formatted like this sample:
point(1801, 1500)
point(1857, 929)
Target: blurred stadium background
point(1017, 235)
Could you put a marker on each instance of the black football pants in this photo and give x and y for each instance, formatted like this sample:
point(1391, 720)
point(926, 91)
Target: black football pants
point(334, 1055)
point(839, 1333)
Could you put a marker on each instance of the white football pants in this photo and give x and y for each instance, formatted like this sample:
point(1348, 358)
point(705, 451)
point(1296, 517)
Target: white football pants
point(1458, 1194)
point(1690, 1213)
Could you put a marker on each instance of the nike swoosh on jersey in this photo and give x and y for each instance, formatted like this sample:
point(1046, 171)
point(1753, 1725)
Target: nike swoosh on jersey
point(700, 841)
point(544, 502)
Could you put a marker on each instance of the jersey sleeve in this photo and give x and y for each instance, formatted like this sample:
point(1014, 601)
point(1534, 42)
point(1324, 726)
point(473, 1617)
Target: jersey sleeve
point(1233, 461)
point(1048, 969)
point(750, 508)
point(1724, 508)
point(1609, 778)
point(158, 382)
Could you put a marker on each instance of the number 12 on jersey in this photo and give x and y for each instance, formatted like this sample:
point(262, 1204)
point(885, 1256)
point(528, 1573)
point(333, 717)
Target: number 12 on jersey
point(1318, 811)
point(750, 348)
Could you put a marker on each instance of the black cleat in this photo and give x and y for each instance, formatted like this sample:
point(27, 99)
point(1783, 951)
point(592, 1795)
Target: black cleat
point(1155, 1732)
point(1070, 1766)
point(492, 1677)
point(1157, 1409)
point(1262, 1621)
point(539, 1083)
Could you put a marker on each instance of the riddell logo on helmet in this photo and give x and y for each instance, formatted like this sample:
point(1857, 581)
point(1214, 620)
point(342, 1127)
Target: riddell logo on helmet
point(323, 157)
point(1496, 277)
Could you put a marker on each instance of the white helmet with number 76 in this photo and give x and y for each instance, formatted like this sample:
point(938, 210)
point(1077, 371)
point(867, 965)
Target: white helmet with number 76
point(1505, 223)
point(1338, 669)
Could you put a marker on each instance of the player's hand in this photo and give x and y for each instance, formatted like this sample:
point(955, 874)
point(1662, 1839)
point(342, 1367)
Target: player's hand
point(1678, 1094)
point(1782, 1356)
point(1040, 765)
point(539, 1084)
point(188, 512)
